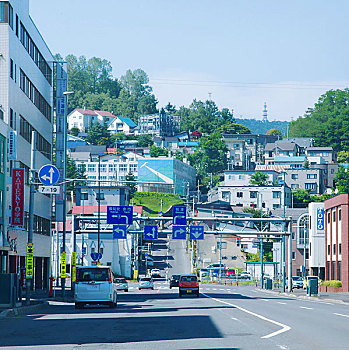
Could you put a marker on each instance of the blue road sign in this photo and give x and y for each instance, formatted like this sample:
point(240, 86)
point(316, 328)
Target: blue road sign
point(48, 174)
point(146, 254)
point(150, 232)
point(196, 232)
point(120, 215)
point(179, 215)
point(119, 231)
point(83, 250)
point(178, 232)
point(96, 256)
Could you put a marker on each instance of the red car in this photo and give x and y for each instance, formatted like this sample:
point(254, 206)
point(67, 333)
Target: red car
point(188, 284)
point(230, 272)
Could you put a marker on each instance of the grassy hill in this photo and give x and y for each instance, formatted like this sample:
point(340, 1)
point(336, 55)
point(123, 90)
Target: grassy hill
point(151, 202)
point(260, 127)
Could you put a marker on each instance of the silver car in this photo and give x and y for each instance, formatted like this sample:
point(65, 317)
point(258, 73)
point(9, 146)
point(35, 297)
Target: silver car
point(146, 283)
point(121, 284)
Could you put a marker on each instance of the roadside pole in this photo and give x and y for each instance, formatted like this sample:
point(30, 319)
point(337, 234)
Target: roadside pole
point(29, 280)
point(262, 263)
point(220, 258)
point(290, 257)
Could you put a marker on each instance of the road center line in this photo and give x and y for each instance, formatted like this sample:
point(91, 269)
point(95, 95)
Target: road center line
point(341, 315)
point(284, 328)
point(304, 307)
point(279, 302)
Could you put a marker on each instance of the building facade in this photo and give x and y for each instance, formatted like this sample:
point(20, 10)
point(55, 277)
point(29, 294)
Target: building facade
point(337, 239)
point(26, 102)
point(160, 124)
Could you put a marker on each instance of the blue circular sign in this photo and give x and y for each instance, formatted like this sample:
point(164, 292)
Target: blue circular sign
point(48, 174)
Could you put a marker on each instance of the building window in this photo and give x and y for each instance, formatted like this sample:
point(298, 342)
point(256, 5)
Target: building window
point(84, 196)
point(10, 16)
point(253, 194)
point(103, 168)
point(11, 118)
point(91, 168)
point(310, 186)
point(294, 176)
point(334, 249)
point(311, 176)
point(328, 271)
point(293, 255)
point(328, 217)
point(339, 271)
point(99, 196)
point(276, 194)
point(34, 95)
point(294, 186)
point(339, 248)
point(123, 167)
point(339, 214)
point(333, 270)
point(333, 216)
point(328, 249)
point(276, 206)
point(239, 194)
point(11, 68)
point(17, 26)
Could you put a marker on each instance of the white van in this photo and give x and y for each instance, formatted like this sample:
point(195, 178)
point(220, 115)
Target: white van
point(94, 285)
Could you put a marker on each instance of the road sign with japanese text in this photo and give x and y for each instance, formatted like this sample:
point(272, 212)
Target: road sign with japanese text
point(120, 215)
point(196, 232)
point(179, 215)
point(63, 265)
point(30, 260)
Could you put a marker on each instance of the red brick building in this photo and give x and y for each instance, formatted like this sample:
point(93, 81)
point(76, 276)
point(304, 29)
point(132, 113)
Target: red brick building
point(337, 239)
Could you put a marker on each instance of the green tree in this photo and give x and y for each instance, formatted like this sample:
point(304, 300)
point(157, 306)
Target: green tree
point(144, 140)
point(73, 172)
point(343, 157)
point(155, 151)
point(98, 134)
point(131, 184)
point(259, 179)
point(342, 180)
point(327, 122)
point(74, 131)
point(234, 128)
point(275, 132)
point(301, 198)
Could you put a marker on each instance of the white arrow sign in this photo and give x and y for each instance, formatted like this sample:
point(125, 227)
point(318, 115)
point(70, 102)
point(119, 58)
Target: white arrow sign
point(149, 234)
point(178, 217)
point(45, 177)
point(196, 234)
point(178, 232)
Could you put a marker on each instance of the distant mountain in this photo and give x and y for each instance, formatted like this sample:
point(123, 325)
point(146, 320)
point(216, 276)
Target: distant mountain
point(261, 127)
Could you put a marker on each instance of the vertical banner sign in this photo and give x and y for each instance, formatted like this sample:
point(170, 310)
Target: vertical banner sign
point(12, 145)
point(17, 197)
point(61, 87)
point(73, 264)
point(63, 265)
point(320, 221)
point(30, 261)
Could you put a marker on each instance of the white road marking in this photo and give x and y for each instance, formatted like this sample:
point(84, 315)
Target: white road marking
point(328, 303)
point(264, 299)
point(222, 289)
point(214, 288)
point(304, 307)
point(235, 319)
point(341, 315)
point(279, 302)
point(284, 328)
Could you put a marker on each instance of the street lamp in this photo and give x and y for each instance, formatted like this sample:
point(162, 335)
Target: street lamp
point(64, 206)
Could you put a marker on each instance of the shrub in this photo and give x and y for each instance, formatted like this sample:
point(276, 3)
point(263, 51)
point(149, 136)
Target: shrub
point(332, 283)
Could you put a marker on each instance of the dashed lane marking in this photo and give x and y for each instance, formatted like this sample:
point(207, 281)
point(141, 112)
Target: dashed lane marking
point(341, 315)
point(304, 307)
point(279, 302)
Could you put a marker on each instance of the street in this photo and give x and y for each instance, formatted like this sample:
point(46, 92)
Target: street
point(224, 317)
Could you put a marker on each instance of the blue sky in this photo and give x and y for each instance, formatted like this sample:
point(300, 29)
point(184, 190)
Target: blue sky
point(243, 52)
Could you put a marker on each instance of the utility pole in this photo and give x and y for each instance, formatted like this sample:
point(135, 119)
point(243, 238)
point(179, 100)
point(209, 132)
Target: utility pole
point(29, 281)
point(305, 251)
point(220, 258)
point(99, 204)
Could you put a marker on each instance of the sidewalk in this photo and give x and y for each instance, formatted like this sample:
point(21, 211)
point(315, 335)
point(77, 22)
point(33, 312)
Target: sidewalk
point(38, 299)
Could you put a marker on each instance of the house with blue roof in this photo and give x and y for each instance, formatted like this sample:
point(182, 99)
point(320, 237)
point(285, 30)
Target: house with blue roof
point(122, 124)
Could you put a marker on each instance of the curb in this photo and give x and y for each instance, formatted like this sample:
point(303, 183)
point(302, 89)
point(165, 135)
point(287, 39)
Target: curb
point(23, 310)
point(305, 297)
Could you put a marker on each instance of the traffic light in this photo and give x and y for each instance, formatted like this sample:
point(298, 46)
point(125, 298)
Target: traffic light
point(238, 241)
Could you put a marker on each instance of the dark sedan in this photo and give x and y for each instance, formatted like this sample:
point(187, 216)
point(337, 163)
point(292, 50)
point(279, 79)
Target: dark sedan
point(174, 281)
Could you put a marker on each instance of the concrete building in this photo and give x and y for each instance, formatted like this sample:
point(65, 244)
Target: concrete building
point(160, 124)
point(280, 148)
point(26, 85)
point(246, 150)
point(337, 239)
point(311, 179)
point(317, 245)
point(81, 118)
point(328, 154)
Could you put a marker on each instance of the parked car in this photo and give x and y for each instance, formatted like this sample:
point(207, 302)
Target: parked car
point(94, 285)
point(155, 273)
point(245, 275)
point(188, 284)
point(145, 283)
point(121, 284)
point(174, 281)
point(297, 282)
point(230, 273)
point(215, 266)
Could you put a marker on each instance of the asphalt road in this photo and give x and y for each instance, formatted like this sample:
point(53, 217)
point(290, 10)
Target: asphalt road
point(224, 317)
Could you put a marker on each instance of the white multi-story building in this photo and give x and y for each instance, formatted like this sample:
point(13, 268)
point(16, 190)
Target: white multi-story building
point(26, 100)
point(112, 168)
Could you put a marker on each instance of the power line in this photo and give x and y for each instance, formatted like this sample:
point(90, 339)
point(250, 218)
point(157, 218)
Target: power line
point(250, 85)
